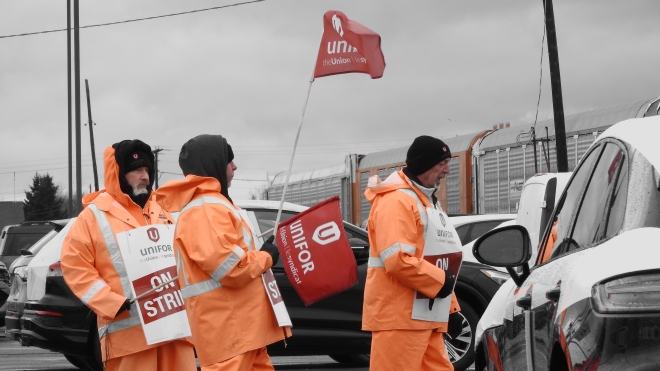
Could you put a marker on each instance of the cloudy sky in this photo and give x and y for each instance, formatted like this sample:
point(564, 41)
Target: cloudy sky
point(453, 67)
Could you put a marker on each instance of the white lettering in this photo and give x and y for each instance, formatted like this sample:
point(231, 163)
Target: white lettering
point(272, 286)
point(308, 267)
point(151, 311)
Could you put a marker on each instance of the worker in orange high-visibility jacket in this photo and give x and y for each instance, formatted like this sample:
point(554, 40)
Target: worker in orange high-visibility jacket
point(94, 270)
point(220, 269)
point(401, 222)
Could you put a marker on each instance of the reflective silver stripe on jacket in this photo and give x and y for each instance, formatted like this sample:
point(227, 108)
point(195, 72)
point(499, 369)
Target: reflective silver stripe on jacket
point(422, 210)
point(96, 287)
point(228, 264)
point(378, 262)
point(203, 287)
point(120, 268)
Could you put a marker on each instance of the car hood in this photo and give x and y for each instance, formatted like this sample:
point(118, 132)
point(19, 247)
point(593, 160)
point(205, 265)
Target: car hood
point(37, 269)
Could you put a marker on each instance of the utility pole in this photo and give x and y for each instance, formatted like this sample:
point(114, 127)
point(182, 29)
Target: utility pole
point(555, 80)
point(91, 139)
point(68, 98)
point(156, 152)
point(76, 47)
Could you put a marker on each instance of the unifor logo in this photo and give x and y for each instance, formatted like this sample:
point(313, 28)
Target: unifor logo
point(442, 220)
point(336, 24)
point(153, 234)
point(326, 233)
point(135, 156)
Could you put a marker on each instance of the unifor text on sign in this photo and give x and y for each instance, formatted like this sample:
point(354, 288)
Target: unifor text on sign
point(149, 260)
point(315, 252)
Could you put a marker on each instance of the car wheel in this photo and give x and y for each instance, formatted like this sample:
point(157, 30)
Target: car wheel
point(353, 359)
point(461, 349)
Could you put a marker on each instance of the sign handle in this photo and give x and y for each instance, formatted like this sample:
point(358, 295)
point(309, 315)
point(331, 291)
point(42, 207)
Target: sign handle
point(154, 289)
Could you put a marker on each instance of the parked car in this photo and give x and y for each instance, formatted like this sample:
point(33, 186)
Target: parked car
point(55, 319)
point(15, 238)
point(18, 281)
point(4, 288)
point(592, 301)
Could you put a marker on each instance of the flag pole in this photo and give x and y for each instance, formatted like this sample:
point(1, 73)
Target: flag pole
point(295, 144)
point(293, 153)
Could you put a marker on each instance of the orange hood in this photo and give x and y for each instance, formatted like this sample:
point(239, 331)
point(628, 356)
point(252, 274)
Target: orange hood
point(176, 194)
point(110, 181)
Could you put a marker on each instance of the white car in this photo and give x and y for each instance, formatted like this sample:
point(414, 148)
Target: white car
point(590, 300)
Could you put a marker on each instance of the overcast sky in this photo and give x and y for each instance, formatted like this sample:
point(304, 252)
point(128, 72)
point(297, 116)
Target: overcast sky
point(453, 67)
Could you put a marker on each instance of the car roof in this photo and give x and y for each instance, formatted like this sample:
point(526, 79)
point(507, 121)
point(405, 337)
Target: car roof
point(637, 133)
point(458, 221)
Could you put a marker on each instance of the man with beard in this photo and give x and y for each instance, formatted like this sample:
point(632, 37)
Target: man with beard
point(93, 267)
point(220, 269)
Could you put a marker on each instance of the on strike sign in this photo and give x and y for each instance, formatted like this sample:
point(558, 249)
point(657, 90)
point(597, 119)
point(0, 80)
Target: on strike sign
point(149, 260)
point(316, 254)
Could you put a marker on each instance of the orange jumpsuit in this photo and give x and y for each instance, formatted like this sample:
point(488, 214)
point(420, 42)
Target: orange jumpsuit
point(396, 270)
point(92, 267)
point(230, 315)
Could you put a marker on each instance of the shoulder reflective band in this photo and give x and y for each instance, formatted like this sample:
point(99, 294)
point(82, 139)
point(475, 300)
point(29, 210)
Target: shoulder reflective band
point(120, 268)
point(422, 210)
point(203, 287)
point(378, 262)
point(247, 236)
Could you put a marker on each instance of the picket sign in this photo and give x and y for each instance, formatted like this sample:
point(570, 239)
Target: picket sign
point(268, 278)
point(442, 248)
point(149, 260)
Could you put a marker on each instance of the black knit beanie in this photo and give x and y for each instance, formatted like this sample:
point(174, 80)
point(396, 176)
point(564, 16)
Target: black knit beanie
point(424, 153)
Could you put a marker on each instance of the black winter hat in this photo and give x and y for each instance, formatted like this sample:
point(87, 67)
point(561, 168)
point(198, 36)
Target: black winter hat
point(424, 153)
point(135, 160)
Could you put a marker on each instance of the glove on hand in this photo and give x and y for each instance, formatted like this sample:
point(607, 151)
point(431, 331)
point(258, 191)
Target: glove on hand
point(270, 248)
point(455, 325)
point(125, 306)
point(448, 287)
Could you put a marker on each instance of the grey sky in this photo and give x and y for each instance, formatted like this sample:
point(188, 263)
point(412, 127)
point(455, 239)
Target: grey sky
point(453, 67)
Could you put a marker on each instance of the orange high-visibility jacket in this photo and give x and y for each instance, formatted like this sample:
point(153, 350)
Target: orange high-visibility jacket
point(219, 272)
point(394, 220)
point(93, 270)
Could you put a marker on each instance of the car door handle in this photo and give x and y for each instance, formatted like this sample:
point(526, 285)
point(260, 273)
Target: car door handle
point(553, 294)
point(525, 302)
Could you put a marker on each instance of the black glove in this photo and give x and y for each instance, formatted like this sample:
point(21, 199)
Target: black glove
point(455, 325)
point(125, 306)
point(448, 287)
point(270, 248)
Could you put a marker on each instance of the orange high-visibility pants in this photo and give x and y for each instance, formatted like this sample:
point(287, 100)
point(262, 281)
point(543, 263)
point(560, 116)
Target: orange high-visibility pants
point(172, 356)
point(254, 360)
point(409, 350)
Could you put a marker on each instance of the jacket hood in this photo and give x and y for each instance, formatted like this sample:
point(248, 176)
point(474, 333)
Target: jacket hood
point(114, 178)
point(396, 180)
point(175, 194)
point(206, 156)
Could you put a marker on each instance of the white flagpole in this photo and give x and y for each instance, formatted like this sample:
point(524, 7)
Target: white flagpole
point(293, 153)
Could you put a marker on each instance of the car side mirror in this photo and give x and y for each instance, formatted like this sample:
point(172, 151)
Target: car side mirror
point(507, 247)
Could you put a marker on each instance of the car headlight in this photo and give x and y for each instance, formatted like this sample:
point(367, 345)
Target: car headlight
point(495, 275)
point(635, 293)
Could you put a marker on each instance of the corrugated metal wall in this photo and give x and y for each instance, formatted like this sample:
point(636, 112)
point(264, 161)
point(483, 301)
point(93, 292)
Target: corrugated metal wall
point(311, 192)
point(453, 187)
point(503, 172)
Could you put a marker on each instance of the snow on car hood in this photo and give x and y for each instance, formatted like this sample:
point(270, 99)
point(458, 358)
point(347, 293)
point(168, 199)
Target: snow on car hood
point(37, 269)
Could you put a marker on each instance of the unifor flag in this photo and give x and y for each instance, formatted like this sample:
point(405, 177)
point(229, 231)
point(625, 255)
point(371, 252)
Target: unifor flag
point(317, 257)
point(347, 46)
